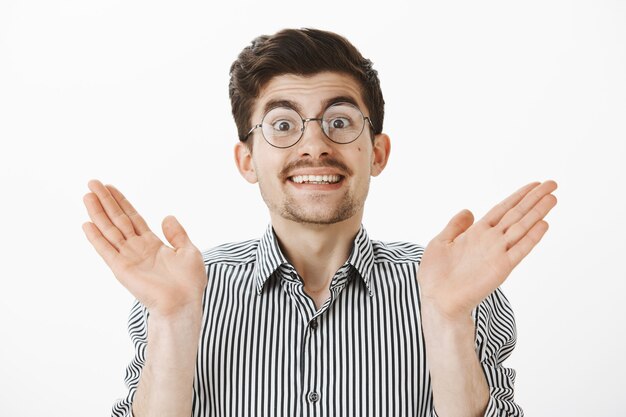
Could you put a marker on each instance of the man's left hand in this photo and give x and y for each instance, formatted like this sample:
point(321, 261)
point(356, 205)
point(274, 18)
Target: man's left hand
point(467, 261)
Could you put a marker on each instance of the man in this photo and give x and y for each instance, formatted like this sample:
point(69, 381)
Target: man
point(314, 318)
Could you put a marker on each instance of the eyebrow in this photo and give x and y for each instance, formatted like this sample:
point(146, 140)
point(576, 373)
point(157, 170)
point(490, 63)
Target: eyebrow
point(340, 99)
point(293, 105)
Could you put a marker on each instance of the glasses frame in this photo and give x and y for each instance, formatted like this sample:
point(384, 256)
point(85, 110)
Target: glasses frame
point(305, 120)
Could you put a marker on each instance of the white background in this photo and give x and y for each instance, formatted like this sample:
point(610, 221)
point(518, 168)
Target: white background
point(482, 97)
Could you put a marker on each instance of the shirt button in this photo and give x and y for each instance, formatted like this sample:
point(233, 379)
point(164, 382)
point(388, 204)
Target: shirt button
point(313, 396)
point(313, 324)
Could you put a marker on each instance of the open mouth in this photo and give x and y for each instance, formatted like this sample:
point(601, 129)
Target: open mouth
point(316, 179)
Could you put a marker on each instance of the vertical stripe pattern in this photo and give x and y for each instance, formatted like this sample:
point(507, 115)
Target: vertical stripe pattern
point(265, 350)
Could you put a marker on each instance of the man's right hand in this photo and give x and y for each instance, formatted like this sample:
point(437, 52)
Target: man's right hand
point(166, 280)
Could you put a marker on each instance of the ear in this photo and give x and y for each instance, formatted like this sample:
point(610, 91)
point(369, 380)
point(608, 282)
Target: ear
point(243, 159)
point(380, 153)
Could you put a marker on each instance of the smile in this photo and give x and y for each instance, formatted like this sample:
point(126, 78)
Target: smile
point(316, 179)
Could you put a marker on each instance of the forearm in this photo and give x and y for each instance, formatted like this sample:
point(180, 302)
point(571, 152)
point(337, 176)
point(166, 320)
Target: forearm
point(166, 384)
point(458, 382)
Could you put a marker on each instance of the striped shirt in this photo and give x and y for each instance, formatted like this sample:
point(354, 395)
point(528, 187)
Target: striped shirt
point(266, 350)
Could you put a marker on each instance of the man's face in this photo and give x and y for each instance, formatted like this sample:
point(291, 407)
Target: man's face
point(289, 178)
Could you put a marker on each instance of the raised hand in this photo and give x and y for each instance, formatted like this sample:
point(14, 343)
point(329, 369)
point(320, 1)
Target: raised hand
point(467, 261)
point(165, 279)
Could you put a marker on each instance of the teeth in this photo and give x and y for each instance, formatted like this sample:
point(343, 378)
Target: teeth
point(316, 179)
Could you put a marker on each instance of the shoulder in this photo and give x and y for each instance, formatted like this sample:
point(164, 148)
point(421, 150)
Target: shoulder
point(234, 253)
point(397, 252)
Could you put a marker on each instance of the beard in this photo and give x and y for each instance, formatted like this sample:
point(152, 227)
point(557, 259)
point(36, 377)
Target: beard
point(314, 214)
point(315, 210)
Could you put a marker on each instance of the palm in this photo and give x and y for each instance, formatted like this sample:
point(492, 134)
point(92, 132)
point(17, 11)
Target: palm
point(163, 278)
point(468, 261)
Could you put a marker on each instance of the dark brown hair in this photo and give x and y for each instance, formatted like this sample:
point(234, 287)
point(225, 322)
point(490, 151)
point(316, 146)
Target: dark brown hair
point(300, 52)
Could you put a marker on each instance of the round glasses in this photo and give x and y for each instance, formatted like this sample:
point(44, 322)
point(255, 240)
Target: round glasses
point(283, 127)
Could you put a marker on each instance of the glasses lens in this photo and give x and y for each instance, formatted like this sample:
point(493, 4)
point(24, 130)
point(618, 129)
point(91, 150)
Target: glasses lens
point(343, 122)
point(282, 127)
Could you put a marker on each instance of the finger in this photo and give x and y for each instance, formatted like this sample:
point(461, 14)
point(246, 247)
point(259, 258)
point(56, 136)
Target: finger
point(175, 234)
point(102, 221)
point(100, 243)
point(138, 222)
point(526, 204)
point(112, 209)
point(522, 248)
point(518, 230)
point(457, 225)
point(498, 211)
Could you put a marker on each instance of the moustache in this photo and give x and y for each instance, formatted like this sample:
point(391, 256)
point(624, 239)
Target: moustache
point(328, 162)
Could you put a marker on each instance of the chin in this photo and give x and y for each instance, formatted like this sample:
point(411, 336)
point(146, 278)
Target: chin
point(319, 218)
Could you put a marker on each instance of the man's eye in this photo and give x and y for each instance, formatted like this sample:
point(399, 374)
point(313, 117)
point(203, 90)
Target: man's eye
point(282, 125)
point(339, 123)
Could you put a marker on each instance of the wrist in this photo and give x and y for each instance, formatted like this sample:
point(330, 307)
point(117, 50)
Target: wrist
point(443, 319)
point(174, 313)
point(444, 308)
point(185, 320)
point(173, 337)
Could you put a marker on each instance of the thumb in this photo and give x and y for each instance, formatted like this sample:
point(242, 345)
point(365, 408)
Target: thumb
point(174, 233)
point(457, 225)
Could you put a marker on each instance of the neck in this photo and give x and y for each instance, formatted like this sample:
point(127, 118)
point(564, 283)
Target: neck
point(316, 251)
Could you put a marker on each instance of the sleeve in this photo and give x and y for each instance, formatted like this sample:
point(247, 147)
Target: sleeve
point(495, 339)
point(138, 331)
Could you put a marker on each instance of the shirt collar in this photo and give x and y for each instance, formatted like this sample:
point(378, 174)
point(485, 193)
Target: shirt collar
point(362, 257)
point(269, 258)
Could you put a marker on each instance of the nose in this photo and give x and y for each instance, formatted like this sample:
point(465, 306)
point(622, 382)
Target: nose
point(314, 142)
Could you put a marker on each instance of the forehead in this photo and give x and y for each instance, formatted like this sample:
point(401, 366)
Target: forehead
point(310, 93)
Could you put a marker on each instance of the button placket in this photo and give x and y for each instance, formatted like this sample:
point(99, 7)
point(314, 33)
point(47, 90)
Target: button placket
point(312, 370)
